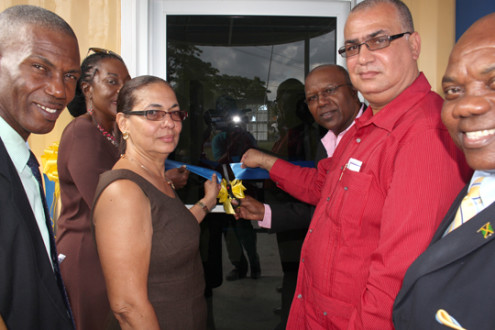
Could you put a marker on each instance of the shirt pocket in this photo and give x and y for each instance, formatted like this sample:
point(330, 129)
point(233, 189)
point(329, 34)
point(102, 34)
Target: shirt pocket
point(326, 312)
point(353, 194)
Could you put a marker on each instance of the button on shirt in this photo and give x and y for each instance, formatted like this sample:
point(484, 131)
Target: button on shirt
point(373, 219)
point(330, 141)
point(18, 150)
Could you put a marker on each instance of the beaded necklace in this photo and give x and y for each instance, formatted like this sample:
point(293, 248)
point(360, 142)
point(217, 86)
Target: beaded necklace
point(109, 136)
point(103, 131)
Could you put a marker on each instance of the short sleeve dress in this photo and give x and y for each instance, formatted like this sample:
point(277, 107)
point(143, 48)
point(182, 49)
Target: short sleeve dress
point(175, 280)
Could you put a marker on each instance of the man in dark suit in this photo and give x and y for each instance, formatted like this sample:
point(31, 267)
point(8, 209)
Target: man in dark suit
point(455, 274)
point(39, 68)
point(334, 104)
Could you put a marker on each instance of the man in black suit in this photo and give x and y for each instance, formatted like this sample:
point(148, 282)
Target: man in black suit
point(334, 104)
point(455, 274)
point(39, 68)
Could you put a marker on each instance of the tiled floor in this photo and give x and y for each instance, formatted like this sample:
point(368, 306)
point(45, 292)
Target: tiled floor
point(248, 304)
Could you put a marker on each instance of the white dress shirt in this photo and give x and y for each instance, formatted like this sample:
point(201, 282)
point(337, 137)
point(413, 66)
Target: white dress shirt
point(19, 152)
point(487, 187)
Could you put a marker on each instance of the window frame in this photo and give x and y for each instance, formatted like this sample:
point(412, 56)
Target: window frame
point(144, 22)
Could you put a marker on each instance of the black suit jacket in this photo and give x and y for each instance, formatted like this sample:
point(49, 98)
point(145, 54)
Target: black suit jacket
point(294, 215)
point(30, 297)
point(455, 273)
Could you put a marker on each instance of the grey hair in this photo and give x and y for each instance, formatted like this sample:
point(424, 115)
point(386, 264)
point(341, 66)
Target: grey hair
point(339, 68)
point(405, 16)
point(13, 19)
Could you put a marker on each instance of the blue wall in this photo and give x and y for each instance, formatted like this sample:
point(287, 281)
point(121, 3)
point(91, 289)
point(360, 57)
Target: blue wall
point(468, 11)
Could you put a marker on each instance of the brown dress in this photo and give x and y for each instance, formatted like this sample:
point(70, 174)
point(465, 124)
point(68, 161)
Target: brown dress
point(175, 279)
point(84, 153)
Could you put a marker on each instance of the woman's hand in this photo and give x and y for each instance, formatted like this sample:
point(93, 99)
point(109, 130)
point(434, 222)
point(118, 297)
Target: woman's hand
point(208, 202)
point(212, 187)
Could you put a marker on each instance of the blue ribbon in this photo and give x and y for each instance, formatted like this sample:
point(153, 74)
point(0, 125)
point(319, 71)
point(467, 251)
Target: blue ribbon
point(239, 173)
point(201, 171)
point(259, 173)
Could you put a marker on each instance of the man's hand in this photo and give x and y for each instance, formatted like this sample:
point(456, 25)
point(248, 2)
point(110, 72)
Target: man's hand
point(255, 158)
point(250, 209)
point(178, 176)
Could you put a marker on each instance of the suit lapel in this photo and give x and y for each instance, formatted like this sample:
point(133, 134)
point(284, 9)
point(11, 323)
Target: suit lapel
point(449, 217)
point(22, 203)
point(47, 277)
point(457, 244)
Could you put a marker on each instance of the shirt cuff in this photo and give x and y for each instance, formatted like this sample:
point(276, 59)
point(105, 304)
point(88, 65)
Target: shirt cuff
point(267, 218)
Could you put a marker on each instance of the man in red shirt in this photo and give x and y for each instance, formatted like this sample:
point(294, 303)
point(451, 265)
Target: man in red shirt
point(390, 181)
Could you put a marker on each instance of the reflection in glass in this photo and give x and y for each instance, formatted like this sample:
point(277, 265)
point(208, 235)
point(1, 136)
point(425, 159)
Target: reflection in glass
point(245, 58)
point(241, 80)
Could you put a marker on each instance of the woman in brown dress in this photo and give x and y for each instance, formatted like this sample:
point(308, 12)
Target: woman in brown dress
point(87, 149)
point(147, 240)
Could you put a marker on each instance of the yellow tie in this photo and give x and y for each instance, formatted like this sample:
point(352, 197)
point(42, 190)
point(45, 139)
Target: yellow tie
point(470, 205)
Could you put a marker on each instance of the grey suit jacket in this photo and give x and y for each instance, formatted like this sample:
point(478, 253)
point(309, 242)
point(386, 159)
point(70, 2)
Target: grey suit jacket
point(455, 273)
point(30, 296)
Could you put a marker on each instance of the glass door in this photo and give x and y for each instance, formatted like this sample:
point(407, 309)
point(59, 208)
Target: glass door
point(238, 68)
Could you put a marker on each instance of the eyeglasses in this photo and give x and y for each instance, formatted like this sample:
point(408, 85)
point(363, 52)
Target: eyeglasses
point(158, 115)
point(96, 50)
point(329, 91)
point(374, 43)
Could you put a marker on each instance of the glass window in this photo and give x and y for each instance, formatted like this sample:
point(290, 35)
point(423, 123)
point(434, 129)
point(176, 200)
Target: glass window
point(238, 68)
point(241, 80)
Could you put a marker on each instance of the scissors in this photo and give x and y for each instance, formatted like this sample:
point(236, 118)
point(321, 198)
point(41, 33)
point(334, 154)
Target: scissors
point(229, 187)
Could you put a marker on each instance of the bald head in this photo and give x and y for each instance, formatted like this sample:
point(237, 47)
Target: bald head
point(480, 32)
point(469, 88)
point(332, 69)
point(404, 14)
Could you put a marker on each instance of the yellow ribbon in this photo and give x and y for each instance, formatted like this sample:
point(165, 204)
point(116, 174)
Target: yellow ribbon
point(49, 166)
point(225, 199)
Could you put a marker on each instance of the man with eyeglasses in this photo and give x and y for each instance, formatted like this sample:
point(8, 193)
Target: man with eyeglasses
point(334, 104)
point(383, 193)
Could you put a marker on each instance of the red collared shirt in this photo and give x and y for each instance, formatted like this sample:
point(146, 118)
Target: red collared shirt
point(372, 220)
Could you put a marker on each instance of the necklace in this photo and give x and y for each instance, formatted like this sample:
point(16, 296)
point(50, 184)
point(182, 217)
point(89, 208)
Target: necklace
point(109, 136)
point(104, 132)
point(167, 180)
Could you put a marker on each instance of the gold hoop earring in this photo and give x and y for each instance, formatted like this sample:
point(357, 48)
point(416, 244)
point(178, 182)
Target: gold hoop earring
point(125, 135)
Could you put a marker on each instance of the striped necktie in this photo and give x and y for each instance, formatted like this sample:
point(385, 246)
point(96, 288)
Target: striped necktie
point(471, 204)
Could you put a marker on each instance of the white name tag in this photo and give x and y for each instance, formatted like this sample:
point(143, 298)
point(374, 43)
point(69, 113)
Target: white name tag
point(354, 165)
